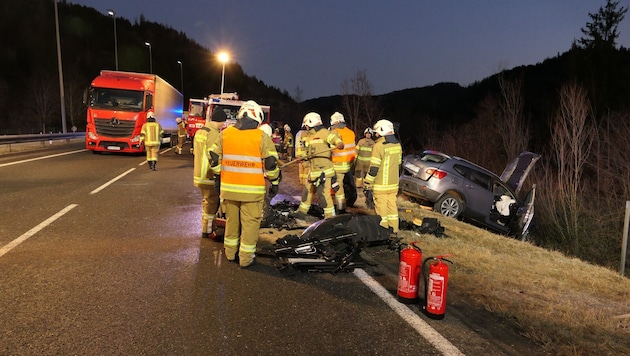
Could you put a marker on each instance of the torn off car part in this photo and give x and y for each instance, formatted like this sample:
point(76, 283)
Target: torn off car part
point(331, 245)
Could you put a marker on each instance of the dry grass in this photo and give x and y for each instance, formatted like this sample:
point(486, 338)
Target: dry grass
point(569, 306)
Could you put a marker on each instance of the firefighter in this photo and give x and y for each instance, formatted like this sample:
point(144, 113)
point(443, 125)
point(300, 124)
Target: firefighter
point(181, 135)
point(364, 152)
point(203, 177)
point(318, 145)
point(266, 129)
point(382, 176)
point(343, 158)
point(300, 151)
point(151, 134)
point(288, 142)
point(240, 159)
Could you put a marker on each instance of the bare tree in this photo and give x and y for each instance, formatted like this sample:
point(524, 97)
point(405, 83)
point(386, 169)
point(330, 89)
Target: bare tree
point(572, 139)
point(298, 94)
point(75, 87)
point(510, 123)
point(44, 100)
point(361, 109)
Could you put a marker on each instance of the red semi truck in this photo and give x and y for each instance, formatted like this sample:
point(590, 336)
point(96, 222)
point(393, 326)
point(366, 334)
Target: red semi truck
point(118, 104)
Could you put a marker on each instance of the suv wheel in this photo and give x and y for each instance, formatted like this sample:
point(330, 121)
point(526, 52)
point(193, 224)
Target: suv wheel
point(449, 205)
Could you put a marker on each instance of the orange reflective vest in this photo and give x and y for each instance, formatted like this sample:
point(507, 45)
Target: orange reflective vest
point(343, 158)
point(242, 173)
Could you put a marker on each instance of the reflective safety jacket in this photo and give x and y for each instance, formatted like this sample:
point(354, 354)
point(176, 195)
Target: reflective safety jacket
point(151, 133)
point(205, 137)
point(242, 154)
point(318, 144)
point(384, 166)
point(344, 158)
point(181, 129)
point(364, 150)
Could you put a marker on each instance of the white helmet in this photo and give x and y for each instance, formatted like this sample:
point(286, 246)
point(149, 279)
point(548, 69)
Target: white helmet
point(266, 129)
point(312, 119)
point(367, 131)
point(178, 120)
point(337, 118)
point(252, 110)
point(150, 115)
point(384, 127)
point(287, 127)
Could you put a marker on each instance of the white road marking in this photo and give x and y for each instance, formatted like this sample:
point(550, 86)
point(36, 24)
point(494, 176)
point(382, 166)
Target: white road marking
point(424, 329)
point(35, 230)
point(111, 181)
point(38, 158)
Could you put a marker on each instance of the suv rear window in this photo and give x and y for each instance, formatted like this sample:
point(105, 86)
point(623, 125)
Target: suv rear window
point(431, 157)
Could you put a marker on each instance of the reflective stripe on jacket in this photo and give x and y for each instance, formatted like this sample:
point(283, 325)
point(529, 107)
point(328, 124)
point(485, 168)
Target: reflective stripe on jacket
point(318, 145)
point(204, 138)
point(151, 133)
point(343, 158)
point(364, 149)
point(386, 158)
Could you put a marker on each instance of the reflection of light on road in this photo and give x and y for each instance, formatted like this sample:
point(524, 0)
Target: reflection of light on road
point(189, 255)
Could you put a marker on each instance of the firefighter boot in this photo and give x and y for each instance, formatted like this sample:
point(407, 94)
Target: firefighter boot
point(154, 166)
point(150, 165)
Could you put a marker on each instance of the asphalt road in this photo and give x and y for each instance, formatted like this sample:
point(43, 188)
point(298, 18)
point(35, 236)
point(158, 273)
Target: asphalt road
point(101, 256)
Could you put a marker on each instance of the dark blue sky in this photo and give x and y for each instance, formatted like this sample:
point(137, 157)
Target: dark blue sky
point(316, 45)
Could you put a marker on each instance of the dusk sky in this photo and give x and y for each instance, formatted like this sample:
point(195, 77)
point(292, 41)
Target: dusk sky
point(316, 45)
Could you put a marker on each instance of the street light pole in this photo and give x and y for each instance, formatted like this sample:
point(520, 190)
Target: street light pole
point(61, 91)
point(111, 13)
point(150, 57)
point(223, 58)
point(181, 74)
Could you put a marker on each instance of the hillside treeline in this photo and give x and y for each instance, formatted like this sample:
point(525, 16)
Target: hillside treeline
point(573, 109)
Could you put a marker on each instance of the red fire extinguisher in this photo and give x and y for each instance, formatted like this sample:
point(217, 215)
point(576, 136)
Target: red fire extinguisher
point(409, 273)
point(435, 286)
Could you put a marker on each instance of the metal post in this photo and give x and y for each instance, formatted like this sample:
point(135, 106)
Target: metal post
point(222, 79)
point(624, 242)
point(150, 57)
point(61, 91)
point(112, 13)
point(181, 74)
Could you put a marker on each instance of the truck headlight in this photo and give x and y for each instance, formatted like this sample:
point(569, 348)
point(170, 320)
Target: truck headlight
point(92, 135)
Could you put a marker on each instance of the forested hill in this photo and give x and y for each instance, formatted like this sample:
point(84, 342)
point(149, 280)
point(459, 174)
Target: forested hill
point(29, 85)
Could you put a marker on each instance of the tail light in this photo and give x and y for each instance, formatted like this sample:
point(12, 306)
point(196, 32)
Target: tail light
point(436, 173)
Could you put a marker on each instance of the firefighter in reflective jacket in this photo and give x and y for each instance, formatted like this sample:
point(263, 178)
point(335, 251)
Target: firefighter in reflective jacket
point(203, 177)
point(181, 135)
point(300, 151)
point(241, 158)
point(364, 152)
point(343, 159)
point(382, 176)
point(151, 134)
point(318, 144)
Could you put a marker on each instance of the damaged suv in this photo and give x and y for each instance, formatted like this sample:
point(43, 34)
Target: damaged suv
point(462, 189)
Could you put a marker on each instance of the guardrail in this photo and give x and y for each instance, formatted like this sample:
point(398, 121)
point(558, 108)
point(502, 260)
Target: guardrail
point(16, 143)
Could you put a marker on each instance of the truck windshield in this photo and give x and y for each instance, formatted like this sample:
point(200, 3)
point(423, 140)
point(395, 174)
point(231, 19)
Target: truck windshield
point(116, 99)
point(197, 109)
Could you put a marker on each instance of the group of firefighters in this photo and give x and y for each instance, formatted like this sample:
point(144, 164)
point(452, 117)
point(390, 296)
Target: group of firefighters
point(232, 167)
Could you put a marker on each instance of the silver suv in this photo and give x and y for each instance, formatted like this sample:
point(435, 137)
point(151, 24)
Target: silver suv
point(462, 189)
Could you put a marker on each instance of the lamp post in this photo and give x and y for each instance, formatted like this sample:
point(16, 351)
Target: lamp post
point(181, 74)
point(150, 57)
point(111, 13)
point(61, 91)
point(223, 58)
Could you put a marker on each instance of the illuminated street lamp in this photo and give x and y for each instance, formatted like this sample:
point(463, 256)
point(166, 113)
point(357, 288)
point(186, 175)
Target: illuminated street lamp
point(111, 13)
point(150, 57)
point(223, 58)
point(181, 74)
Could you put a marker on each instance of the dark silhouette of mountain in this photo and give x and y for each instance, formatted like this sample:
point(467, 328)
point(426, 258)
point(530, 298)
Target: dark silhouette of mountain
point(29, 81)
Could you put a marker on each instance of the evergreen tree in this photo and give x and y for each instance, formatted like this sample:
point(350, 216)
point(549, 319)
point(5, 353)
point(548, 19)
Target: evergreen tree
point(602, 32)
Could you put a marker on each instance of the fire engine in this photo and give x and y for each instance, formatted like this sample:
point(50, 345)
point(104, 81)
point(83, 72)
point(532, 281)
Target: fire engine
point(200, 109)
